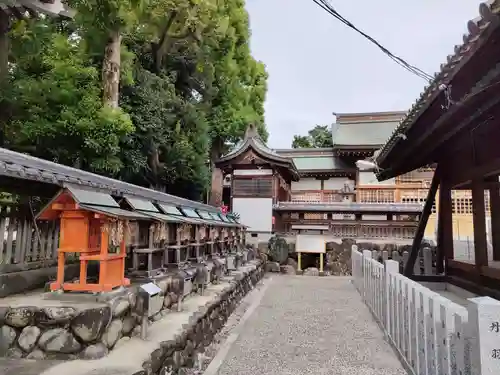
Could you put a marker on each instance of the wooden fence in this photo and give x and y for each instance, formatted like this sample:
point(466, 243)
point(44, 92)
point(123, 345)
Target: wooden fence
point(25, 241)
point(431, 334)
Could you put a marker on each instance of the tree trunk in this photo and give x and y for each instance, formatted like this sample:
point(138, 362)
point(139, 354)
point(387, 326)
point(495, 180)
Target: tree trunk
point(4, 68)
point(217, 175)
point(111, 69)
point(4, 44)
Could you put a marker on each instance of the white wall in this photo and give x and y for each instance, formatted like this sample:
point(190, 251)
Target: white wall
point(306, 184)
point(253, 172)
point(256, 213)
point(369, 178)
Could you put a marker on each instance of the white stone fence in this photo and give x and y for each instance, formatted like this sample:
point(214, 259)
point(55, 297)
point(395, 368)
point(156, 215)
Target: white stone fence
point(431, 334)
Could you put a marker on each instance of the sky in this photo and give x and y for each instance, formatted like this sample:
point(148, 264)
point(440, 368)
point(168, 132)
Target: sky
point(318, 66)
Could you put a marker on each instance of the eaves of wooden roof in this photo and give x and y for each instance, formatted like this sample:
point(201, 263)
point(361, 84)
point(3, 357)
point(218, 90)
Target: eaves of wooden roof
point(479, 30)
point(252, 141)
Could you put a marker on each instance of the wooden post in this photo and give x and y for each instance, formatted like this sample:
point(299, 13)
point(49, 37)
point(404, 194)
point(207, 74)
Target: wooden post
point(424, 218)
point(299, 261)
point(479, 222)
point(495, 218)
point(445, 226)
point(320, 262)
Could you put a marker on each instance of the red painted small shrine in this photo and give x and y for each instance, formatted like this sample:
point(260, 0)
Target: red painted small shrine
point(95, 232)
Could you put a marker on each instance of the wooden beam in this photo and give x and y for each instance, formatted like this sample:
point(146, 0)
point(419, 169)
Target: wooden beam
point(424, 218)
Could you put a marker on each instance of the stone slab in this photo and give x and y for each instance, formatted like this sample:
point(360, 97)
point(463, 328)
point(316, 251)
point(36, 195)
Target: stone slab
point(26, 280)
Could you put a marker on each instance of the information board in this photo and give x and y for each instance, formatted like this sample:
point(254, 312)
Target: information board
point(310, 243)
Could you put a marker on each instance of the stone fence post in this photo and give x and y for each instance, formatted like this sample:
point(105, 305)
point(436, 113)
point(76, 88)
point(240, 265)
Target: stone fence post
point(391, 267)
point(484, 335)
point(367, 254)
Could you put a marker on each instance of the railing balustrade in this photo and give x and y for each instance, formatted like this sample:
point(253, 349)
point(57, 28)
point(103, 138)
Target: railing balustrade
point(432, 335)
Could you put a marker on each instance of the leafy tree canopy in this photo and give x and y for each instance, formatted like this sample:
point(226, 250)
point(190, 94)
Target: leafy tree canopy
point(149, 91)
point(318, 137)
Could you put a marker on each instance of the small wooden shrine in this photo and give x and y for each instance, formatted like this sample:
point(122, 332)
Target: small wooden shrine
point(93, 226)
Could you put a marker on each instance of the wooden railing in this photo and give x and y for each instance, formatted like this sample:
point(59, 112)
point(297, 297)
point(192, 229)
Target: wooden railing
point(317, 197)
point(25, 240)
point(378, 230)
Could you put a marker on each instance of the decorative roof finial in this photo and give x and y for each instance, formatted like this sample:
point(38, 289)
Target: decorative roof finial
point(251, 131)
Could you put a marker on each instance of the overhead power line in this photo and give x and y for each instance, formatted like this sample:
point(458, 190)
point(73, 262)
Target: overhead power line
point(327, 7)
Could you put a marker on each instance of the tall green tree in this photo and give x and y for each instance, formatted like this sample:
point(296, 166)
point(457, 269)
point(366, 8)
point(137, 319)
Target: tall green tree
point(149, 91)
point(318, 137)
point(106, 21)
point(239, 81)
point(54, 97)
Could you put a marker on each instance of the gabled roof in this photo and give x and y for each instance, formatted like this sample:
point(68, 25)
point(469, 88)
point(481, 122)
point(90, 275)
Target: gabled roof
point(252, 141)
point(364, 130)
point(479, 31)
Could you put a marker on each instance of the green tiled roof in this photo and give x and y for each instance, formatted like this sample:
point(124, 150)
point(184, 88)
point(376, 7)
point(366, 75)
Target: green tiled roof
point(362, 133)
point(319, 163)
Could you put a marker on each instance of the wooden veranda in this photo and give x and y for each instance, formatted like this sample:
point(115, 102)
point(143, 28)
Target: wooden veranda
point(455, 124)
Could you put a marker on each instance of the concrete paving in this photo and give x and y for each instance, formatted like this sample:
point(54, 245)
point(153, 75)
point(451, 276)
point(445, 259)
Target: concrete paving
point(309, 325)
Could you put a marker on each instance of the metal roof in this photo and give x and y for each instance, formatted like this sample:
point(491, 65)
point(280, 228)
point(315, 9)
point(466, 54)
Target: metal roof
point(95, 198)
point(115, 212)
point(371, 134)
point(320, 163)
point(479, 29)
point(21, 166)
point(141, 204)
point(161, 217)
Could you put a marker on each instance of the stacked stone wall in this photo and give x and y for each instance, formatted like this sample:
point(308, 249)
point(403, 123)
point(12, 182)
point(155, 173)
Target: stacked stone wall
point(182, 352)
point(67, 332)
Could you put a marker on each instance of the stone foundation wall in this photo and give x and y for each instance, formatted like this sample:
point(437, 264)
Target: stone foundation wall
point(337, 260)
point(65, 332)
point(181, 353)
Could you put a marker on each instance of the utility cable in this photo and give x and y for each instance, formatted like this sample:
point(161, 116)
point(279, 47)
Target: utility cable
point(327, 7)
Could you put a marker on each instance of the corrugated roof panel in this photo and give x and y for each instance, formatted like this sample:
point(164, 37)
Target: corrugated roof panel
point(319, 163)
point(115, 212)
point(205, 215)
point(162, 217)
point(189, 212)
point(170, 210)
point(141, 204)
point(95, 198)
point(363, 133)
point(215, 216)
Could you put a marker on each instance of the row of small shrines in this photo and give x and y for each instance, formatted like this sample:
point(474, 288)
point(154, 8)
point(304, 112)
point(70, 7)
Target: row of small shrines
point(141, 242)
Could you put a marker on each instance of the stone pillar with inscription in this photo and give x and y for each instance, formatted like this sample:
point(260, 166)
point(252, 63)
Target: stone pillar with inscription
point(484, 335)
point(216, 187)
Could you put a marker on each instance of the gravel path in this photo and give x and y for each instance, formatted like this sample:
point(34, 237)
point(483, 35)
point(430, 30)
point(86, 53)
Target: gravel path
point(310, 325)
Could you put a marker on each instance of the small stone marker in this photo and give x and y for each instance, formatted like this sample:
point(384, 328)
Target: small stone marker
point(484, 331)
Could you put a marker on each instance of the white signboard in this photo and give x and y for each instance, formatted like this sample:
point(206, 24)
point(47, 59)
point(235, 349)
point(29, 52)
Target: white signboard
point(310, 243)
